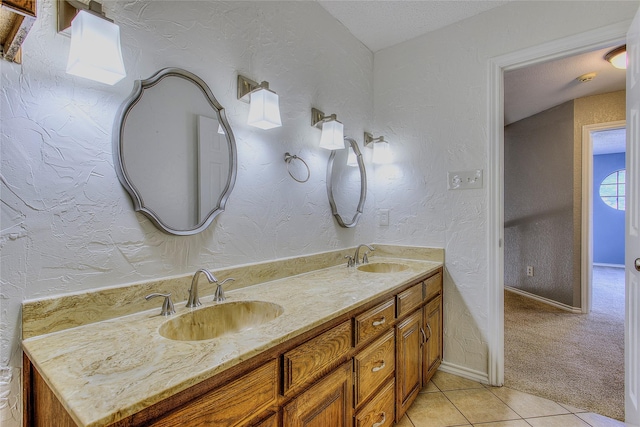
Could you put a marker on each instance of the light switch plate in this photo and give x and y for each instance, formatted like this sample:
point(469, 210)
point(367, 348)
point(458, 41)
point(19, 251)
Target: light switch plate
point(383, 217)
point(462, 180)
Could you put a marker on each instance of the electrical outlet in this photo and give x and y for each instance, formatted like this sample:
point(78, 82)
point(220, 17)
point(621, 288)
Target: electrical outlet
point(530, 271)
point(383, 217)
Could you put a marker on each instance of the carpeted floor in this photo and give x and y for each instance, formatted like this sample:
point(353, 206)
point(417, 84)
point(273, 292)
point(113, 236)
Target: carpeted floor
point(574, 359)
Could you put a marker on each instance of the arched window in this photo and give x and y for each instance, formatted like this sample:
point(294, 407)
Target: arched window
point(612, 190)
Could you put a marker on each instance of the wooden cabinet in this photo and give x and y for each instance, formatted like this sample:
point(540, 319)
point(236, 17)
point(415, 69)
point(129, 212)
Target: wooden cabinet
point(315, 357)
point(373, 365)
point(408, 361)
point(243, 398)
point(363, 368)
point(374, 321)
point(432, 354)
point(327, 403)
point(379, 411)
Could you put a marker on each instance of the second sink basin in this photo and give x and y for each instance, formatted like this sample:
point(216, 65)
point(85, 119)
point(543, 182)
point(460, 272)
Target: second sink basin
point(216, 320)
point(383, 267)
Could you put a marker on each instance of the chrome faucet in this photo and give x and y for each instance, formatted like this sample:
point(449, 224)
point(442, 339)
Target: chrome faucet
point(193, 300)
point(219, 295)
point(365, 259)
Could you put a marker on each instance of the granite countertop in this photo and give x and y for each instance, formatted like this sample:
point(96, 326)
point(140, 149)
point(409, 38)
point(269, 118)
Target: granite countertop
point(106, 371)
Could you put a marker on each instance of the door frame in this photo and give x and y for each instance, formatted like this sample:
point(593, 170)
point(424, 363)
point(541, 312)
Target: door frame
point(572, 45)
point(586, 285)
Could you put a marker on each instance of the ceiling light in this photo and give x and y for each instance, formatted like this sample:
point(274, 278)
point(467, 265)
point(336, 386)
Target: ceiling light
point(264, 111)
point(332, 137)
point(95, 51)
point(618, 57)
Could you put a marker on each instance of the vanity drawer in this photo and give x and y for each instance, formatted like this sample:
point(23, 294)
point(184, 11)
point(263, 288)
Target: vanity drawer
point(316, 357)
point(238, 400)
point(374, 365)
point(433, 286)
point(378, 412)
point(375, 320)
point(409, 299)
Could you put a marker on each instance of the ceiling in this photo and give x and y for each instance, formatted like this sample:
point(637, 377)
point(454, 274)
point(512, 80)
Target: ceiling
point(379, 24)
point(382, 23)
point(538, 87)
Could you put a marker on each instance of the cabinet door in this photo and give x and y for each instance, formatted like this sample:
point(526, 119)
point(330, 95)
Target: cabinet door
point(329, 402)
point(433, 346)
point(409, 341)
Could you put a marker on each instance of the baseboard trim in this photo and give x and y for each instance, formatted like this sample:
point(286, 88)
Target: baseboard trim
point(600, 264)
point(548, 301)
point(461, 371)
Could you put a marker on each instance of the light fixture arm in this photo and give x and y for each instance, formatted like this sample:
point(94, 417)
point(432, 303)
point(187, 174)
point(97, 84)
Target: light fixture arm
point(246, 86)
point(67, 10)
point(369, 139)
point(318, 117)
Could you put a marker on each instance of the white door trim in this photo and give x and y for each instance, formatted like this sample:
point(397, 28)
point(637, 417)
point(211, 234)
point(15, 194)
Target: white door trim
point(587, 209)
point(580, 43)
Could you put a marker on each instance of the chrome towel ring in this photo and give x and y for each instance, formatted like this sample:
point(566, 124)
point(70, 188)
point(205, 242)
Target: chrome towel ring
point(288, 158)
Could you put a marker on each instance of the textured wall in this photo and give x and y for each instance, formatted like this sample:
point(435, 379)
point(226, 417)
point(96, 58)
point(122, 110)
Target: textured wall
point(608, 223)
point(67, 224)
point(430, 98)
point(538, 204)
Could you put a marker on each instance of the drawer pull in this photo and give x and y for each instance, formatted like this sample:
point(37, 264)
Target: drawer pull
point(424, 336)
point(379, 322)
point(382, 421)
point(430, 332)
point(379, 367)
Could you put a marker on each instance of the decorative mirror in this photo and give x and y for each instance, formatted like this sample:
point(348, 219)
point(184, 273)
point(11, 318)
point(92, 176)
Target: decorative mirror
point(174, 151)
point(347, 184)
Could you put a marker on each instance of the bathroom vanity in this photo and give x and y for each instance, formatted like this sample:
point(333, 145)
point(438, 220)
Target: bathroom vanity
point(352, 347)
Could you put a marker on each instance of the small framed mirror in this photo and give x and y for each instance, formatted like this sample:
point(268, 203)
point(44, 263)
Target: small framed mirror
point(174, 151)
point(347, 184)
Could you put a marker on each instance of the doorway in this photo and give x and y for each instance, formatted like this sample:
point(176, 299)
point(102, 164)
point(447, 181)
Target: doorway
point(597, 39)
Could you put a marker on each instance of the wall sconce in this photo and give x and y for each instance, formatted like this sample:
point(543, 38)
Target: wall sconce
point(264, 109)
point(95, 51)
point(332, 137)
point(381, 149)
point(618, 57)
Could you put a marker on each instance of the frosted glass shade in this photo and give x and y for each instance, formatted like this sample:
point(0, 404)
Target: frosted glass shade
point(382, 153)
point(332, 135)
point(264, 112)
point(619, 61)
point(352, 159)
point(95, 49)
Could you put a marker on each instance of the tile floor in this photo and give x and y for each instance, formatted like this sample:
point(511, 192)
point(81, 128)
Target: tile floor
point(449, 400)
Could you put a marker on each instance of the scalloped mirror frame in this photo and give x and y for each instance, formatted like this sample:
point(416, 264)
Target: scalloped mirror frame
point(138, 203)
point(363, 186)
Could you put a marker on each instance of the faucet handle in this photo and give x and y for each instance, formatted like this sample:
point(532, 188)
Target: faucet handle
point(219, 295)
point(350, 261)
point(365, 258)
point(167, 304)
